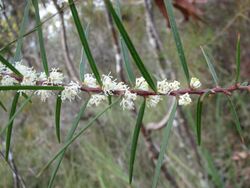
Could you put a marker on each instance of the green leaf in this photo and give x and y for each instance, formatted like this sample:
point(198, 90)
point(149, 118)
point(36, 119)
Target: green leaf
point(124, 51)
point(211, 168)
point(177, 39)
point(2, 105)
point(130, 46)
point(198, 115)
point(24, 103)
point(68, 137)
point(164, 144)
point(84, 41)
point(135, 139)
point(10, 125)
point(40, 38)
point(198, 120)
point(238, 59)
point(236, 118)
point(26, 96)
point(23, 87)
point(10, 66)
point(82, 65)
point(70, 141)
point(210, 66)
point(58, 116)
point(25, 20)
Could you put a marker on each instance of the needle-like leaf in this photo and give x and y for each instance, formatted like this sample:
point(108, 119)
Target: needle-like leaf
point(23, 104)
point(70, 141)
point(84, 41)
point(130, 46)
point(25, 20)
point(198, 120)
point(58, 116)
point(238, 60)
point(40, 38)
point(236, 118)
point(166, 134)
point(211, 67)
point(83, 61)
point(135, 139)
point(10, 125)
point(9, 65)
point(23, 87)
point(68, 137)
point(177, 38)
point(124, 50)
point(3, 107)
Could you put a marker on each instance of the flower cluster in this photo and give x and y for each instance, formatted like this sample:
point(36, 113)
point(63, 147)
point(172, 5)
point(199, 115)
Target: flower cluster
point(109, 87)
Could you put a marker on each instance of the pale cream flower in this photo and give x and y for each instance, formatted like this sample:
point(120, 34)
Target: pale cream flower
point(175, 85)
point(140, 83)
point(195, 83)
point(55, 77)
point(163, 87)
point(185, 99)
point(44, 94)
point(8, 81)
point(96, 99)
point(153, 100)
point(71, 91)
point(108, 85)
point(128, 100)
point(90, 81)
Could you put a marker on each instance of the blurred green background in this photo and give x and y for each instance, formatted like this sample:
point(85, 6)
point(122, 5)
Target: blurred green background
point(100, 157)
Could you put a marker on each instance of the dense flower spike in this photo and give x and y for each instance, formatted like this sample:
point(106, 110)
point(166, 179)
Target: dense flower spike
point(55, 77)
point(96, 99)
point(165, 87)
point(71, 91)
point(153, 100)
point(195, 83)
point(44, 94)
point(110, 87)
point(140, 83)
point(8, 81)
point(185, 99)
point(90, 81)
point(128, 100)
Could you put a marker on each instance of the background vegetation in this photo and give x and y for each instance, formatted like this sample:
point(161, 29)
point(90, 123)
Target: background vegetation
point(100, 158)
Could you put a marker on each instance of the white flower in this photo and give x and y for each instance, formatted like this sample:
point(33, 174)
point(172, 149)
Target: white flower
point(185, 99)
point(29, 78)
point(195, 83)
point(96, 99)
point(140, 83)
point(153, 100)
point(175, 85)
point(55, 77)
point(2, 67)
point(121, 86)
point(128, 100)
point(44, 94)
point(163, 87)
point(8, 81)
point(90, 81)
point(71, 91)
point(60, 2)
point(108, 85)
point(29, 75)
point(24, 70)
point(42, 77)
